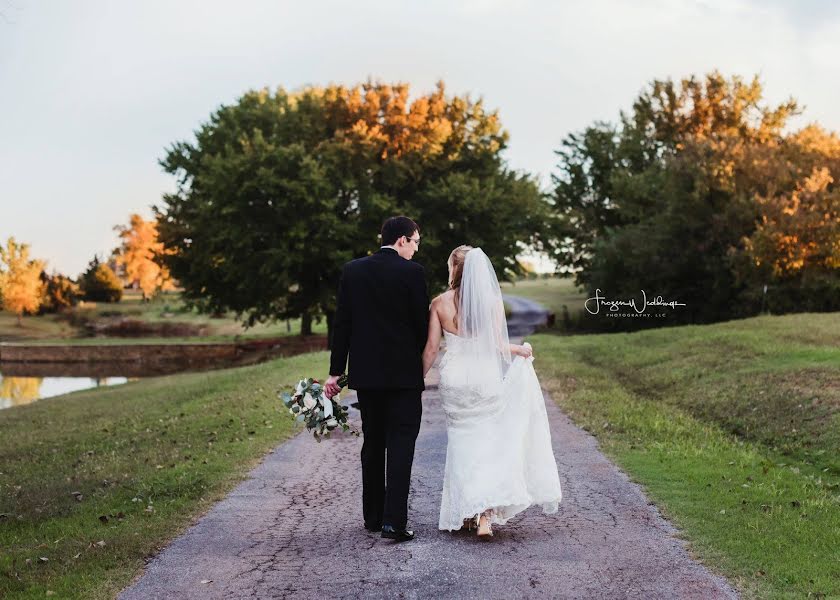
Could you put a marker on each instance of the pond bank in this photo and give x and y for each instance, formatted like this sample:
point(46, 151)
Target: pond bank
point(179, 352)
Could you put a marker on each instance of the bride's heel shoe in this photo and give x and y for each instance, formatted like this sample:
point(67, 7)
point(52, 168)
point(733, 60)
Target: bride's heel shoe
point(469, 524)
point(484, 529)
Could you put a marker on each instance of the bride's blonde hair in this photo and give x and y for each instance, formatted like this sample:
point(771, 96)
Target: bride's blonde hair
point(456, 272)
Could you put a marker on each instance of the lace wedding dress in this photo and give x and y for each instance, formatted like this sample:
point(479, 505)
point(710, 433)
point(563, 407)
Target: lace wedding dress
point(499, 454)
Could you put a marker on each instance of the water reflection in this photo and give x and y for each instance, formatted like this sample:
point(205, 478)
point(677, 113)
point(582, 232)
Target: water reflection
point(25, 382)
point(16, 390)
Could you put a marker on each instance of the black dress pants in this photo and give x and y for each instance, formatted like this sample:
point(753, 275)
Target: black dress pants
point(390, 424)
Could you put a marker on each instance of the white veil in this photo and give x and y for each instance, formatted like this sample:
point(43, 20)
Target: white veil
point(482, 321)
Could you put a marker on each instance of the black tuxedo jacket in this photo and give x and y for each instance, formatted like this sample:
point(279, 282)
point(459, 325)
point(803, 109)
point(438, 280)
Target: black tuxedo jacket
point(381, 321)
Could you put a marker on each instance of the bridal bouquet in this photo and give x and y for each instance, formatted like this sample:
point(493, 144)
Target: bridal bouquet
point(308, 403)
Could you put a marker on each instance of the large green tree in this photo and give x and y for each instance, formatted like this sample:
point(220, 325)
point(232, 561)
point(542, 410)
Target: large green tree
point(279, 189)
point(669, 200)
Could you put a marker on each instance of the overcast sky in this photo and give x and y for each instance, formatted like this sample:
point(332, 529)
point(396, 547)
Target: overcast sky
point(91, 93)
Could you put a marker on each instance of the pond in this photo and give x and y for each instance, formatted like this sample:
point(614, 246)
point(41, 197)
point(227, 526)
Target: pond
point(16, 390)
point(25, 382)
point(53, 370)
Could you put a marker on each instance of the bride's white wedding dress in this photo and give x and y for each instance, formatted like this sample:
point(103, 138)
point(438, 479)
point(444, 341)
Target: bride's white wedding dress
point(499, 453)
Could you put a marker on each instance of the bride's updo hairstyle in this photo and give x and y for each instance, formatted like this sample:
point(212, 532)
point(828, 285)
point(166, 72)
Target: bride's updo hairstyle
point(456, 272)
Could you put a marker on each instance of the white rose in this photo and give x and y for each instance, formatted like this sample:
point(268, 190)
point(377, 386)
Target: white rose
point(309, 402)
point(299, 388)
point(331, 422)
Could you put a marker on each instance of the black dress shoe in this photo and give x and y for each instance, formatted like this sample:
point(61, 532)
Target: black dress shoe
point(373, 527)
point(400, 535)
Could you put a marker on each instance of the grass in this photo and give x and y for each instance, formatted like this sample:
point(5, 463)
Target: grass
point(144, 459)
point(733, 429)
point(554, 293)
point(167, 307)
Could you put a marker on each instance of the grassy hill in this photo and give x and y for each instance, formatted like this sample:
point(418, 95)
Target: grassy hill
point(96, 480)
point(554, 293)
point(734, 431)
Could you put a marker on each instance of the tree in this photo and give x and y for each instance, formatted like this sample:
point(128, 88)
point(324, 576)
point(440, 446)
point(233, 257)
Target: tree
point(138, 255)
point(795, 246)
point(280, 189)
point(99, 283)
point(21, 288)
point(670, 199)
point(60, 292)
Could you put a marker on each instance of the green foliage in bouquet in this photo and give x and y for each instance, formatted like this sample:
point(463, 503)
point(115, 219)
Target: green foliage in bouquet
point(308, 404)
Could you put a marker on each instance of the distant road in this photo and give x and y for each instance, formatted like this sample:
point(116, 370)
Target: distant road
point(526, 315)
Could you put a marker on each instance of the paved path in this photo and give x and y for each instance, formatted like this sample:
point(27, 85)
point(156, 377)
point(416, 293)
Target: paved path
point(525, 315)
point(294, 531)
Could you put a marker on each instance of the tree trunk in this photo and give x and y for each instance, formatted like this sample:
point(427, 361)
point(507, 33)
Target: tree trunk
point(330, 317)
point(19, 320)
point(306, 323)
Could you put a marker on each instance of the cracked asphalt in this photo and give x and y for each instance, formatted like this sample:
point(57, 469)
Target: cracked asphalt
point(294, 530)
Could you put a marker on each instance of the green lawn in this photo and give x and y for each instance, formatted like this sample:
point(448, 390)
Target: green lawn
point(167, 307)
point(146, 457)
point(734, 431)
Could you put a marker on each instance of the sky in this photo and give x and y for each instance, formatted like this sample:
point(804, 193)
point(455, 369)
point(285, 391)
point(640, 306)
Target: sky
point(93, 92)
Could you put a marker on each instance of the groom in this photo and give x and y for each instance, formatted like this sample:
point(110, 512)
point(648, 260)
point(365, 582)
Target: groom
point(381, 321)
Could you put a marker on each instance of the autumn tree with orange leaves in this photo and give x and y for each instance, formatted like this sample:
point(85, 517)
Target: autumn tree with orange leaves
point(701, 195)
point(795, 246)
point(21, 288)
point(139, 254)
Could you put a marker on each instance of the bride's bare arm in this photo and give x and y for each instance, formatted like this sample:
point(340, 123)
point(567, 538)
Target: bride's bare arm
point(432, 339)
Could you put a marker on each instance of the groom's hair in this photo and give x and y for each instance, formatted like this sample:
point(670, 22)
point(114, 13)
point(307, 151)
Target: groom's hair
point(396, 227)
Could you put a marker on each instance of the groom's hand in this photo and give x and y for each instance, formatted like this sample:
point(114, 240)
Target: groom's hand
point(331, 386)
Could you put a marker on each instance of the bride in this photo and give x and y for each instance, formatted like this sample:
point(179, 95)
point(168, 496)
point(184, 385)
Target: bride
point(498, 459)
